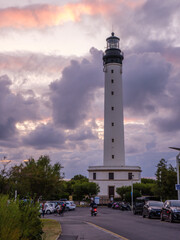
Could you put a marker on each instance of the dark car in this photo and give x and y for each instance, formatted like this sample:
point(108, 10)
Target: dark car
point(140, 202)
point(171, 210)
point(152, 209)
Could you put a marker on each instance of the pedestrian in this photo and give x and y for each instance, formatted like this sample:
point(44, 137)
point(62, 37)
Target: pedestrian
point(43, 209)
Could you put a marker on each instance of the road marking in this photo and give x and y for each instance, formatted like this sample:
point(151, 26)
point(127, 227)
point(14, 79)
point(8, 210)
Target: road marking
point(103, 229)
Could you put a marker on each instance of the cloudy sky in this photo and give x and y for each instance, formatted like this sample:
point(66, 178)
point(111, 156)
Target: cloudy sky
point(52, 81)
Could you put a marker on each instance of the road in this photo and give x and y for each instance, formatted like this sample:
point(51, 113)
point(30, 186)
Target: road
point(112, 224)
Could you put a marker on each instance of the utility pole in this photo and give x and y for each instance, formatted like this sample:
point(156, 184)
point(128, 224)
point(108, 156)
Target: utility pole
point(177, 166)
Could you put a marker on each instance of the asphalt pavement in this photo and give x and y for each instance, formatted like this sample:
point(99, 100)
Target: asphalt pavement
point(112, 224)
point(78, 225)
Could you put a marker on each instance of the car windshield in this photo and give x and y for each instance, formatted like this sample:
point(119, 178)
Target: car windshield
point(156, 204)
point(175, 203)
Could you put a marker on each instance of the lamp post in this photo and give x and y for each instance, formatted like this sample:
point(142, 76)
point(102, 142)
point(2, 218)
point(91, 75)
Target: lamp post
point(132, 192)
point(177, 166)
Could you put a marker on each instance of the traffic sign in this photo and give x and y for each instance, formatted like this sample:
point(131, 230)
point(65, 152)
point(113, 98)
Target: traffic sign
point(177, 186)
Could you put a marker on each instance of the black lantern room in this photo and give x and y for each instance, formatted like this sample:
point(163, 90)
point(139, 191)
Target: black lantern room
point(113, 54)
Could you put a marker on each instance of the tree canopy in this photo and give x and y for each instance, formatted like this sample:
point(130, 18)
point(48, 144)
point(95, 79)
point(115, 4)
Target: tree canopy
point(37, 179)
point(166, 179)
point(163, 187)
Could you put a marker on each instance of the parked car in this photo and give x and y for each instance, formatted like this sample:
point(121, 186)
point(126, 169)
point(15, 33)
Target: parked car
point(152, 209)
point(140, 202)
point(50, 207)
point(171, 210)
point(70, 205)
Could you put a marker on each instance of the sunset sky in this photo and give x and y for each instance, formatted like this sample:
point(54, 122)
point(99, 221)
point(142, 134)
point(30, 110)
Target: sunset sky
point(52, 80)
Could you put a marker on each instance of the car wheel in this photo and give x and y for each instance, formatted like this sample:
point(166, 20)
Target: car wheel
point(48, 211)
point(161, 217)
point(171, 218)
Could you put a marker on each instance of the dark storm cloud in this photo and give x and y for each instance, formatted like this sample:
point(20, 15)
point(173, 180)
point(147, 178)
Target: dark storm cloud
point(7, 129)
point(159, 13)
point(72, 95)
point(83, 134)
point(14, 108)
point(169, 122)
point(145, 79)
point(45, 137)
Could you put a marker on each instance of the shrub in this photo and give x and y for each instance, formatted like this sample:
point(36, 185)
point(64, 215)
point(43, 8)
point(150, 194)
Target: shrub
point(31, 225)
point(9, 219)
point(19, 220)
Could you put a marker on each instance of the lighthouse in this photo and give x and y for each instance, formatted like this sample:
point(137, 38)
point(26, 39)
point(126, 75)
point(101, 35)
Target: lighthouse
point(114, 172)
point(113, 104)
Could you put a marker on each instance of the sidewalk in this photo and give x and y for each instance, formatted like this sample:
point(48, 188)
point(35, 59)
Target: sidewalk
point(81, 230)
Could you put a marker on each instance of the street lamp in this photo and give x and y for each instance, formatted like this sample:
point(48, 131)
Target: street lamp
point(177, 166)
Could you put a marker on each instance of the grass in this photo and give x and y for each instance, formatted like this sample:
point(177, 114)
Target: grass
point(51, 229)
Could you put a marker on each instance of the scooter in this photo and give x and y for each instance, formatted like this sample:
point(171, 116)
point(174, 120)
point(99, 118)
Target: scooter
point(94, 211)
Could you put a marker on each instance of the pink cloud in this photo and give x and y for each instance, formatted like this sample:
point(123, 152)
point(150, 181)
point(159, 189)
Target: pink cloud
point(40, 16)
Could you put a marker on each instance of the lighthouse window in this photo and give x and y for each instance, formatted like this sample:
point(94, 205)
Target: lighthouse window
point(112, 93)
point(112, 124)
point(94, 176)
point(112, 80)
point(112, 108)
point(112, 139)
point(112, 71)
point(112, 156)
point(111, 176)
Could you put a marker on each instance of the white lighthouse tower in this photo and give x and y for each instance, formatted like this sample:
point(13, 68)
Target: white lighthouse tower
point(114, 173)
point(113, 107)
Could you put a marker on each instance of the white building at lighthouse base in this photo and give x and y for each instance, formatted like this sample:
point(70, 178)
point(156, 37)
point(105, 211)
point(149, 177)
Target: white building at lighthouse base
point(110, 178)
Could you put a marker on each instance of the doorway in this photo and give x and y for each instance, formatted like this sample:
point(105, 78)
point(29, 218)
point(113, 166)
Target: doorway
point(111, 192)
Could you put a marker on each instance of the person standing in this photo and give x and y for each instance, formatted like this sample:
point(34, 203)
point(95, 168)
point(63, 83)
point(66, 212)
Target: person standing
point(43, 209)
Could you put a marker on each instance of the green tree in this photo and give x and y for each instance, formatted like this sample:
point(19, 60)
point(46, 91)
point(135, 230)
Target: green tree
point(84, 189)
point(4, 178)
point(80, 187)
point(80, 177)
point(148, 180)
point(37, 179)
point(166, 180)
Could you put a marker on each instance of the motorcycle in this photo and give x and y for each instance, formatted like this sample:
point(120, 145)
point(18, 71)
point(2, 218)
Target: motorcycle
point(94, 211)
point(125, 207)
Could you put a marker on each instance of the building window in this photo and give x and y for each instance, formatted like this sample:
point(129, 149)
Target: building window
point(112, 80)
point(112, 108)
point(112, 93)
point(112, 139)
point(111, 176)
point(94, 176)
point(112, 71)
point(112, 124)
point(112, 156)
point(130, 176)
